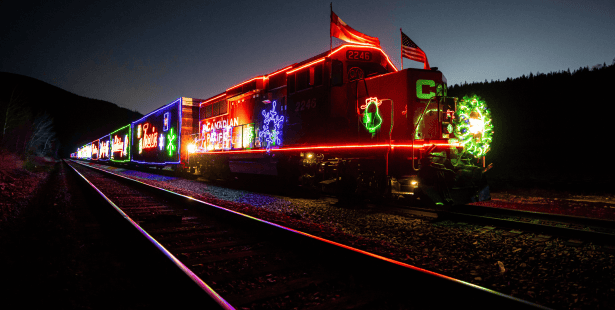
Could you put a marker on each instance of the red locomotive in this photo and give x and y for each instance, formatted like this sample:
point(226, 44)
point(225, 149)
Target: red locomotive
point(346, 121)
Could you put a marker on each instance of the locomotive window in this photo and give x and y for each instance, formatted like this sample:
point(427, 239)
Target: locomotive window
point(318, 75)
point(216, 109)
point(223, 107)
point(303, 78)
point(337, 73)
point(208, 111)
point(290, 82)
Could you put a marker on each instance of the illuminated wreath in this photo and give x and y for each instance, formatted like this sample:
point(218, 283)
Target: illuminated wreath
point(473, 125)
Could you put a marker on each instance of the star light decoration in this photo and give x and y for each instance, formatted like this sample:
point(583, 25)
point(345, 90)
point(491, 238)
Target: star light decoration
point(271, 137)
point(171, 142)
point(473, 125)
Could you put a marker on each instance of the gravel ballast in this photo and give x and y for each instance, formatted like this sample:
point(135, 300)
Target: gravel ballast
point(549, 271)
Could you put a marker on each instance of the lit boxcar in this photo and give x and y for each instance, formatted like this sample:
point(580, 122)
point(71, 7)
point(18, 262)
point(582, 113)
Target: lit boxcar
point(95, 150)
point(104, 148)
point(87, 151)
point(120, 145)
point(162, 137)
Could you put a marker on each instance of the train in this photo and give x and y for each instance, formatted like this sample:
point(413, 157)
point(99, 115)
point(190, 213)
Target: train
point(346, 121)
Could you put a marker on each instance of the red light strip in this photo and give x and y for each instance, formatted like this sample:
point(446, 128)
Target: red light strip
point(306, 65)
point(279, 71)
point(214, 98)
point(340, 48)
point(326, 147)
point(309, 64)
point(248, 81)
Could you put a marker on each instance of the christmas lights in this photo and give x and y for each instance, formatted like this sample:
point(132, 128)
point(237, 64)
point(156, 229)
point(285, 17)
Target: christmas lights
point(171, 145)
point(167, 120)
point(104, 148)
point(149, 140)
point(248, 136)
point(473, 125)
point(161, 142)
point(118, 145)
point(94, 150)
point(271, 137)
point(372, 120)
point(160, 139)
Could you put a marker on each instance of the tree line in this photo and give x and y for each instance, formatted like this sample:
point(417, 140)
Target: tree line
point(557, 121)
point(23, 131)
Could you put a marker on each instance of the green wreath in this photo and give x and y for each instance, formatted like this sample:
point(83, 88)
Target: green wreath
point(474, 126)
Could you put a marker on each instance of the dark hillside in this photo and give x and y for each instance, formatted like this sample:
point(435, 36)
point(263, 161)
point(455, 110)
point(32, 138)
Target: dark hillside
point(76, 119)
point(552, 128)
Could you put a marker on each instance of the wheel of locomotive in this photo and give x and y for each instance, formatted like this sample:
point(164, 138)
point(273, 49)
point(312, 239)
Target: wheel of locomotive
point(222, 170)
point(348, 186)
point(206, 169)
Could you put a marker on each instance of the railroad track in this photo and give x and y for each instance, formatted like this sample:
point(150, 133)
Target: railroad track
point(546, 224)
point(246, 263)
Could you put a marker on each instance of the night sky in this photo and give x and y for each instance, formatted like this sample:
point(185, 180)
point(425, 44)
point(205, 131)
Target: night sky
point(142, 55)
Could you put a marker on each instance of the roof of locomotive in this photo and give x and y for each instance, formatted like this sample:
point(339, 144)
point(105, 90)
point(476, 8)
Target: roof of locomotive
point(299, 65)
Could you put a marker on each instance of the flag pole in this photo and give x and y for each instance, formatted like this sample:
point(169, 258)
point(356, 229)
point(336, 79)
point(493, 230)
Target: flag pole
point(330, 37)
point(401, 53)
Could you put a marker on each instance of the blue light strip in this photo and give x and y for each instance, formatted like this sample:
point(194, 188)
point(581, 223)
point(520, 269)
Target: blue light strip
point(180, 100)
point(162, 108)
point(108, 137)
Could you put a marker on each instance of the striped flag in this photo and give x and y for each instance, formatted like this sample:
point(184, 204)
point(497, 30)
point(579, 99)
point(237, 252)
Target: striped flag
point(341, 30)
point(410, 50)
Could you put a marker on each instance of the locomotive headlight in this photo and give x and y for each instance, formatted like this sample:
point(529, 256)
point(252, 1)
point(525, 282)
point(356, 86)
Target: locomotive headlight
point(477, 124)
point(414, 183)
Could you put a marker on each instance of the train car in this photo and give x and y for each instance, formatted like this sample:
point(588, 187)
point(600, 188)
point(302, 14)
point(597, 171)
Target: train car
point(86, 152)
point(104, 148)
point(161, 137)
point(120, 145)
point(95, 149)
point(346, 121)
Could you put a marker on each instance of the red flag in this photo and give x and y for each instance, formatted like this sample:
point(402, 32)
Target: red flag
point(341, 30)
point(410, 50)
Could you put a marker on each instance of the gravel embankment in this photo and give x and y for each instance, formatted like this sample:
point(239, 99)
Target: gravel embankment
point(551, 272)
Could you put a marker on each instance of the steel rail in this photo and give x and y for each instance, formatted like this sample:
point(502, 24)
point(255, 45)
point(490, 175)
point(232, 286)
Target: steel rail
point(420, 281)
point(223, 304)
point(489, 215)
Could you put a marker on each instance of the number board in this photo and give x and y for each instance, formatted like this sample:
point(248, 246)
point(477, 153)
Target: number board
point(359, 55)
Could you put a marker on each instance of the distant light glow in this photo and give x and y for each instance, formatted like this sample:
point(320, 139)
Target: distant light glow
point(191, 148)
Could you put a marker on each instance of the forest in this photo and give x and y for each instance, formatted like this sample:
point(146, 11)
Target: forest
point(551, 129)
point(39, 119)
